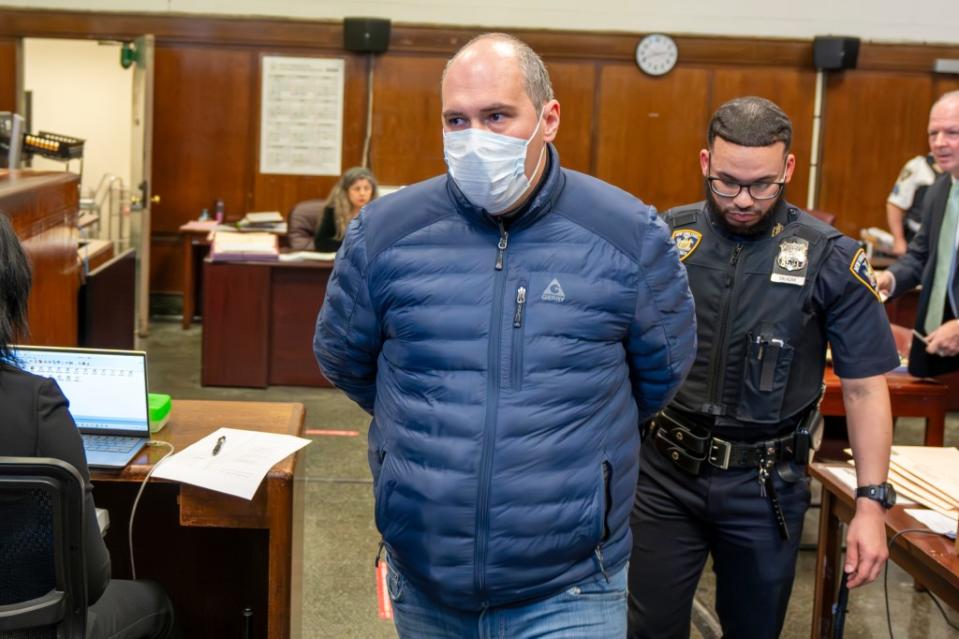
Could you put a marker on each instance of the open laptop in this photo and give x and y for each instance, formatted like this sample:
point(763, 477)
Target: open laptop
point(107, 390)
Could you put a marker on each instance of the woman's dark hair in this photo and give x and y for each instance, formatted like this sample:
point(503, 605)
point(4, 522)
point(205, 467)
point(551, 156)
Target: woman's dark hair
point(14, 289)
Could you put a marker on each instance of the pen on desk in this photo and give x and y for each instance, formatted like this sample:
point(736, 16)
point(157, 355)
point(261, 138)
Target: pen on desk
point(219, 444)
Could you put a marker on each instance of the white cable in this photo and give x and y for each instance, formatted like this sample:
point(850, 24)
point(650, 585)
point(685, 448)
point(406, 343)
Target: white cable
point(133, 511)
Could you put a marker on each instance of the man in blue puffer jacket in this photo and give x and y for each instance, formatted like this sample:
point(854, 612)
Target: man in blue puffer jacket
point(508, 325)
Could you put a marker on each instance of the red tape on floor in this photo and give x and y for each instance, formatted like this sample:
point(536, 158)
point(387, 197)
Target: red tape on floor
point(385, 606)
point(330, 433)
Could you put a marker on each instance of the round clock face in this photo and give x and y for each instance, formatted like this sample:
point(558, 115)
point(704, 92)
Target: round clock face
point(656, 54)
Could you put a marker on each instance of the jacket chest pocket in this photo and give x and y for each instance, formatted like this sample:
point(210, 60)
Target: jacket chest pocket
point(518, 326)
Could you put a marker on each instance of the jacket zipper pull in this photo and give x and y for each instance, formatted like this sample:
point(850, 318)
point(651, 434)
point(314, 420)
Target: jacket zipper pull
point(598, 551)
point(520, 305)
point(501, 247)
point(732, 262)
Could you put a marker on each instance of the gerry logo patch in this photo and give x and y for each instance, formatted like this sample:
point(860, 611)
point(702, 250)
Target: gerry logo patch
point(687, 241)
point(862, 271)
point(554, 292)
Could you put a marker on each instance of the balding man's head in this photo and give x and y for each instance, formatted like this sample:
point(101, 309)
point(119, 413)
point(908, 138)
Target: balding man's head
point(944, 132)
point(506, 48)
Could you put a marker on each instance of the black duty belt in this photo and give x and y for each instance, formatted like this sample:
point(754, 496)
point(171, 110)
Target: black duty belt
point(690, 447)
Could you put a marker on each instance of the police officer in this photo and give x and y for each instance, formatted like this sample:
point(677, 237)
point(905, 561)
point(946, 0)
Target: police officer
point(904, 204)
point(720, 471)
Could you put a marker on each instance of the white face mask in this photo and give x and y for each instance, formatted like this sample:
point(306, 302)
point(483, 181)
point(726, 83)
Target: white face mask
point(489, 168)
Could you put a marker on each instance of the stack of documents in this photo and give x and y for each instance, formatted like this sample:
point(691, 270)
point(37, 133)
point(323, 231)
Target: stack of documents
point(270, 221)
point(304, 256)
point(230, 461)
point(927, 476)
point(244, 246)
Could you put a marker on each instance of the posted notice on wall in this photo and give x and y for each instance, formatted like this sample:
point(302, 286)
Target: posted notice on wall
point(301, 115)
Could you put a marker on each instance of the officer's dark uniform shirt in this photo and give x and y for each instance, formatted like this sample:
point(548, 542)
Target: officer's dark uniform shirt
point(765, 307)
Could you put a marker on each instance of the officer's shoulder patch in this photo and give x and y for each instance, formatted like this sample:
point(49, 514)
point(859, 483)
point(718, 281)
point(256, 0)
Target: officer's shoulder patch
point(862, 271)
point(687, 241)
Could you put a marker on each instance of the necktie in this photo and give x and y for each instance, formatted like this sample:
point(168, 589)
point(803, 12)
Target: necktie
point(945, 262)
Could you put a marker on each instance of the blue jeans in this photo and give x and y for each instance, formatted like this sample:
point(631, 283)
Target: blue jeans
point(592, 609)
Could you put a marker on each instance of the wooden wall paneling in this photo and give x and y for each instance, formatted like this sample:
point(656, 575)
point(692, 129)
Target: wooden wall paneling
point(282, 192)
point(944, 83)
point(793, 90)
point(873, 122)
point(407, 123)
point(650, 131)
point(8, 75)
point(574, 85)
point(201, 132)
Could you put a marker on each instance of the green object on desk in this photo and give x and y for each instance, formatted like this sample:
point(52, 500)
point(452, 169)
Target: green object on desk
point(160, 406)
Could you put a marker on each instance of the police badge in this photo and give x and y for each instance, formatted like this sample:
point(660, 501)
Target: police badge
point(687, 241)
point(792, 261)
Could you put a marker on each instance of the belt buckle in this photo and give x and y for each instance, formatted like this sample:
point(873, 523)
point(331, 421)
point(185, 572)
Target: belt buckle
point(719, 453)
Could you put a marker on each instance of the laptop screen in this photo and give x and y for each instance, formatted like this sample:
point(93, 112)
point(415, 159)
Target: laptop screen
point(107, 389)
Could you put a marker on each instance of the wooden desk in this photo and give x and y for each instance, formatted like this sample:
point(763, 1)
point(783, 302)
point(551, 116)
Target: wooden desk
point(258, 322)
point(930, 559)
point(214, 553)
point(190, 238)
point(910, 397)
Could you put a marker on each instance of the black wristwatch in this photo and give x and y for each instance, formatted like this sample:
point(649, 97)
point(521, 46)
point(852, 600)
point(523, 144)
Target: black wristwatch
point(885, 494)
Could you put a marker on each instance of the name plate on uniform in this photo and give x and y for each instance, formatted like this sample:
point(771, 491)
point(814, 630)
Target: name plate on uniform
point(792, 262)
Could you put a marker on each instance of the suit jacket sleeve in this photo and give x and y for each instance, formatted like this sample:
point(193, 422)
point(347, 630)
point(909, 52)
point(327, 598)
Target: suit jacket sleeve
point(908, 269)
point(662, 338)
point(347, 341)
point(58, 437)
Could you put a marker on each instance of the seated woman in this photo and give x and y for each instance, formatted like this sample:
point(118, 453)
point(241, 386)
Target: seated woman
point(36, 423)
point(319, 225)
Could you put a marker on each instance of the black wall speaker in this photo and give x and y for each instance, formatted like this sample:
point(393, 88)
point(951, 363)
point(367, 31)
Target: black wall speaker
point(832, 53)
point(366, 35)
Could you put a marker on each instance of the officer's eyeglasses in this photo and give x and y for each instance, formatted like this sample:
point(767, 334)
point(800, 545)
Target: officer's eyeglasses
point(757, 190)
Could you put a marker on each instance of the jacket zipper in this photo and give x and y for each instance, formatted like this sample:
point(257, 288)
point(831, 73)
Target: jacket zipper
point(516, 372)
point(501, 247)
point(604, 534)
point(717, 362)
point(489, 428)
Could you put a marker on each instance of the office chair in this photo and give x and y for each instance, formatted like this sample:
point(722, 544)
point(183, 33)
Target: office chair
point(43, 580)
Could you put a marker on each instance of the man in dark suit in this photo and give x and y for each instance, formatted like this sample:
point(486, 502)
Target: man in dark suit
point(931, 258)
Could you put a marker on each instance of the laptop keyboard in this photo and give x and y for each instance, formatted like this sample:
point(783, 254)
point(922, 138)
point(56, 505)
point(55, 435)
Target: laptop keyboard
point(109, 443)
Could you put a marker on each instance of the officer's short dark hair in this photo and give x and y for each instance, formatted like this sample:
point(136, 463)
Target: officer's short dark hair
point(750, 121)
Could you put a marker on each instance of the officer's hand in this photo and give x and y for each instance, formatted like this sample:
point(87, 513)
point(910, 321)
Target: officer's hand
point(884, 282)
point(866, 549)
point(899, 247)
point(944, 341)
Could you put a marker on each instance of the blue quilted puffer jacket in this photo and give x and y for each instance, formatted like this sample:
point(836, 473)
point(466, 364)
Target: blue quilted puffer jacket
point(507, 371)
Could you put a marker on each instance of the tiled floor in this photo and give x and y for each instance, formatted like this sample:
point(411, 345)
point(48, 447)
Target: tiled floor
point(340, 540)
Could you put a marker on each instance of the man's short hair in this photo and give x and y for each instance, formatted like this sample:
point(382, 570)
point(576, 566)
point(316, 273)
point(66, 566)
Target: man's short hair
point(535, 77)
point(750, 121)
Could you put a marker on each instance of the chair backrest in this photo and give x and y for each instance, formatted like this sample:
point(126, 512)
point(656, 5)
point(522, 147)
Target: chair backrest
point(43, 580)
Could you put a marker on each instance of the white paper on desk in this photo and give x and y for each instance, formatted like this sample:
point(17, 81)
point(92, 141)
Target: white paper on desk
point(936, 522)
point(243, 461)
point(847, 477)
